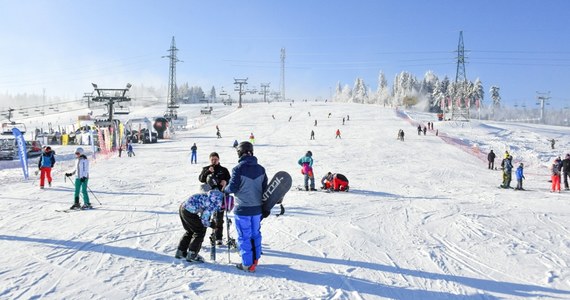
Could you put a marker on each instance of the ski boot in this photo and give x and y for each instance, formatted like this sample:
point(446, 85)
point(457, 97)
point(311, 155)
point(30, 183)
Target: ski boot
point(194, 257)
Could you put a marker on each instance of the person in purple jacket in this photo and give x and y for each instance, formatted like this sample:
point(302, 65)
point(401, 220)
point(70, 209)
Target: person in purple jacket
point(195, 214)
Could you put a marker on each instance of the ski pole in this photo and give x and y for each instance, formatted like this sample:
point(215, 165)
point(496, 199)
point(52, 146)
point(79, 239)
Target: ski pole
point(94, 196)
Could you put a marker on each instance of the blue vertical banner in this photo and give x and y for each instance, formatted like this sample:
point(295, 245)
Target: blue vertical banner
point(22, 151)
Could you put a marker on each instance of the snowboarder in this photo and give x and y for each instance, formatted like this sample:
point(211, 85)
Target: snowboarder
point(195, 213)
point(193, 154)
point(337, 134)
point(555, 176)
point(312, 134)
point(520, 177)
point(306, 163)
point(491, 159)
point(566, 170)
point(45, 164)
point(216, 177)
point(81, 179)
point(247, 183)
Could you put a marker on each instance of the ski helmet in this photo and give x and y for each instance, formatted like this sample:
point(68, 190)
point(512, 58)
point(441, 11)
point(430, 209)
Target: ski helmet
point(244, 148)
point(79, 151)
point(212, 181)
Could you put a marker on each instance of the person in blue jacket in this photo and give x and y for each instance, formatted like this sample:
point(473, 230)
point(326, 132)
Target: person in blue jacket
point(45, 164)
point(195, 214)
point(520, 177)
point(247, 183)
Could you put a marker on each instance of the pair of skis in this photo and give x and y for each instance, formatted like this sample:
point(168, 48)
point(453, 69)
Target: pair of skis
point(231, 243)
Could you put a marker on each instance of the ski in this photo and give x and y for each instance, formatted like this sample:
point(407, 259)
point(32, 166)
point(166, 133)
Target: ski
point(213, 246)
point(67, 210)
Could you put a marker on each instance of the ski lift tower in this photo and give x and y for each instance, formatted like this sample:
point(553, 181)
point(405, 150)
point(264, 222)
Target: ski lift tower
point(459, 101)
point(110, 97)
point(171, 104)
point(239, 88)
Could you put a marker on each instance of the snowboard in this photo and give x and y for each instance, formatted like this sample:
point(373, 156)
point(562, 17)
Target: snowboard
point(276, 189)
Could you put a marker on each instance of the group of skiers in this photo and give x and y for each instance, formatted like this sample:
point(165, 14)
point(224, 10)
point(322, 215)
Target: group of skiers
point(247, 182)
point(559, 168)
point(330, 182)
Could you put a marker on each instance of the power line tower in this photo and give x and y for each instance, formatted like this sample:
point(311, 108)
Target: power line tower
point(171, 103)
point(283, 74)
point(542, 100)
point(264, 90)
point(240, 83)
point(459, 105)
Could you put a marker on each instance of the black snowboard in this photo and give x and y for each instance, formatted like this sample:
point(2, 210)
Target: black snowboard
point(276, 189)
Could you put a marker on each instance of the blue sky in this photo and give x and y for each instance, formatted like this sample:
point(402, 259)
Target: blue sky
point(62, 46)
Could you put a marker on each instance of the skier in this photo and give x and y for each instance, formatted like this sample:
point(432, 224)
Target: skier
point(347, 117)
point(193, 154)
point(566, 170)
point(195, 213)
point(218, 134)
point(419, 129)
point(251, 138)
point(130, 151)
point(507, 166)
point(337, 134)
point(425, 130)
point(81, 179)
point(491, 159)
point(555, 176)
point(401, 135)
point(235, 143)
point(520, 177)
point(247, 183)
point(306, 163)
point(343, 121)
point(315, 122)
point(290, 117)
point(552, 142)
point(46, 162)
point(312, 134)
point(216, 177)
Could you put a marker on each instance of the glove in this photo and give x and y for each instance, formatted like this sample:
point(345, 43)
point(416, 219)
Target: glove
point(265, 214)
point(83, 179)
point(67, 174)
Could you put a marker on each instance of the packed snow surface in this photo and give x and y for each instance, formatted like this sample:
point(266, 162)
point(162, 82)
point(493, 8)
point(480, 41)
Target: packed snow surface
point(424, 218)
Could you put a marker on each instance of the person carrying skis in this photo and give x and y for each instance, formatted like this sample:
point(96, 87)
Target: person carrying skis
point(46, 162)
point(248, 182)
point(566, 170)
point(81, 179)
point(193, 150)
point(306, 163)
point(491, 159)
point(216, 177)
point(195, 213)
point(520, 177)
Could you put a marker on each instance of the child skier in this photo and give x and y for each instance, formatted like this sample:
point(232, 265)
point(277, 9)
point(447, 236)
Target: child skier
point(520, 177)
point(81, 179)
point(46, 162)
point(195, 213)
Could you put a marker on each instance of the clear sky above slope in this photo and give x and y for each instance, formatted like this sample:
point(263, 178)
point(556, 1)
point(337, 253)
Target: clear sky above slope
point(63, 46)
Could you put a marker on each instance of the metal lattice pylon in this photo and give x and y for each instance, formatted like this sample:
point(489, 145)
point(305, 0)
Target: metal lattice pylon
point(459, 106)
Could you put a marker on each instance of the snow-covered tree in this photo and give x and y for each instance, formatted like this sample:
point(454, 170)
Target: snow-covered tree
point(495, 96)
point(213, 94)
point(360, 92)
point(441, 93)
point(382, 93)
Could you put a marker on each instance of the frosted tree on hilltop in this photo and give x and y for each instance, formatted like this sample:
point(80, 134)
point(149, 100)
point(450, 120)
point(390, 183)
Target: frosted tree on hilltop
point(360, 92)
point(382, 93)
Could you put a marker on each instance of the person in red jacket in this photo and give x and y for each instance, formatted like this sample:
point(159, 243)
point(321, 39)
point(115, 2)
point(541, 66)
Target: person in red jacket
point(46, 162)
